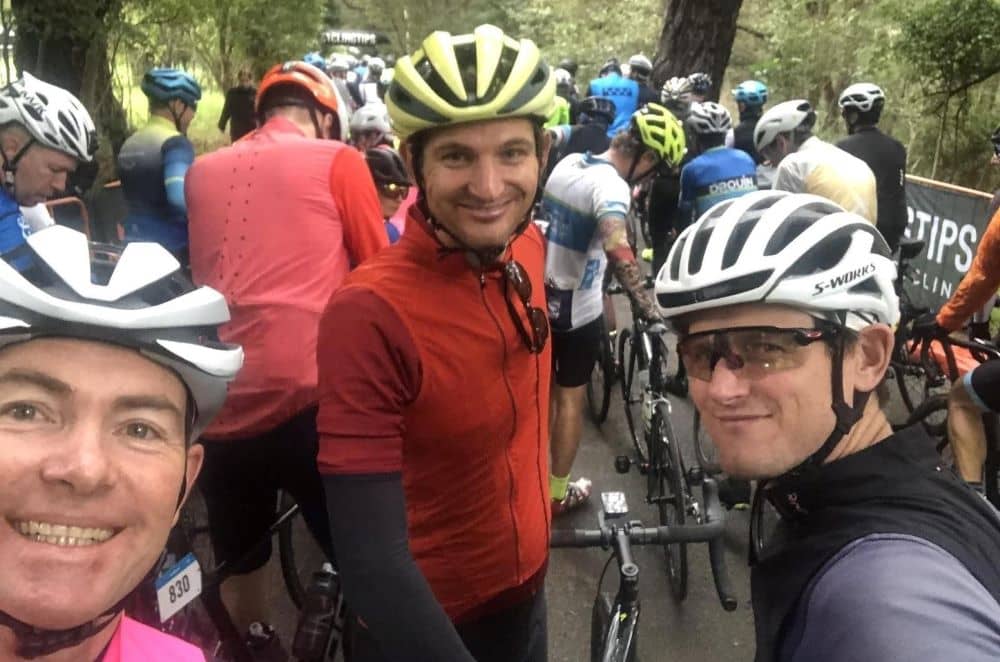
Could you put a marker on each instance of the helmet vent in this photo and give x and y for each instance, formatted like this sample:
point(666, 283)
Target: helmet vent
point(823, 256)
point(737, 239)
point(795, 225)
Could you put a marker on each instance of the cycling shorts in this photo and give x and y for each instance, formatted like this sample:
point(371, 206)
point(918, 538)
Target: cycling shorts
point(240, 480)
point(983, 385)
point(575, 352)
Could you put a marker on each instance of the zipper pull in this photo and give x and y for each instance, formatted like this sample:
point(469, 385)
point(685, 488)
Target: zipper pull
point(482, 280)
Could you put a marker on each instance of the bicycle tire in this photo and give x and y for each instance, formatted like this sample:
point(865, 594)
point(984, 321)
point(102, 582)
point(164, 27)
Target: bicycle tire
point(600, 620)
point(925, 412)
point(290, 571)
point(672, 496)
point(601, 378)
point(628, 363)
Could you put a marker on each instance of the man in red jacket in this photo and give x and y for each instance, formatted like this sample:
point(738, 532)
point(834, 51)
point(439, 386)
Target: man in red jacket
point(277, 221)
point(434, 373)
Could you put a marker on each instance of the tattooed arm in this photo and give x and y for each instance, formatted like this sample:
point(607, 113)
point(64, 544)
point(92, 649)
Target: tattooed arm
point(615, 239)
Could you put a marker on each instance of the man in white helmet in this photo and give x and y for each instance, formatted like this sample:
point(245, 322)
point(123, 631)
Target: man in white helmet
point(806, 164)
point(784, 306)
point(640, 68)
point(861, 107)
point(45, 132)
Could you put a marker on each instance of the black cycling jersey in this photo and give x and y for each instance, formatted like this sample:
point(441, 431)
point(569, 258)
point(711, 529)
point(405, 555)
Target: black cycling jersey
point(895, 486)
point(886, 156)
point(591, 138)
point(647, 95)
point(743, 137)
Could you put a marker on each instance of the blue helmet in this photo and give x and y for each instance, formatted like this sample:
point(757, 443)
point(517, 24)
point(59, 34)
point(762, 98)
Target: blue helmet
point(751, 92)
point(316, 60)
point(165, 85)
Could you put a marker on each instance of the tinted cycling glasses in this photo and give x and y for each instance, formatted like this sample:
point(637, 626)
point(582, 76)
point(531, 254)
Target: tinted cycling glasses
point(398, 191)
point(756, 351)
point(517, 281)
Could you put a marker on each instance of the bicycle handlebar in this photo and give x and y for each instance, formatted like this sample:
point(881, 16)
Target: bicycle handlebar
point(709, 532)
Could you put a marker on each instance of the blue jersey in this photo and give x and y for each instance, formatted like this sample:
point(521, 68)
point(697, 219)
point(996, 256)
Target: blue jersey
point(13, 230)
point(152, 165)
point(624, 92)
point(716, 175)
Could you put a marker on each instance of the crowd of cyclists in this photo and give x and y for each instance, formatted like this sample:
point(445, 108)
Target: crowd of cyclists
point(384, 298)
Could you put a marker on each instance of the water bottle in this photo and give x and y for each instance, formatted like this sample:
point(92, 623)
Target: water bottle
point(316, 622)
point(647, 401)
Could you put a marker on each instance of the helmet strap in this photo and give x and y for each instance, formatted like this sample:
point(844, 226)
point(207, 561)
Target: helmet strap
point(10, 165)
point(846, 415)
point(32, 642)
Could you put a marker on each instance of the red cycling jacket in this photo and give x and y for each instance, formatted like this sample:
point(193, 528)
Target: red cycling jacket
point(979, 284)
point(423, 372)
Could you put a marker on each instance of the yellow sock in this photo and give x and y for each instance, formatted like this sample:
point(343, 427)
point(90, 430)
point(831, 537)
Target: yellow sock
point(558, 486)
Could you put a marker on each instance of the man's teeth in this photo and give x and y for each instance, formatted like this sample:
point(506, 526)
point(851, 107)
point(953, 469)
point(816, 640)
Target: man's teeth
point(61, 534)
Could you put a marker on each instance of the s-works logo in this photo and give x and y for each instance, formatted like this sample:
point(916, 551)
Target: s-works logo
point(844, 279)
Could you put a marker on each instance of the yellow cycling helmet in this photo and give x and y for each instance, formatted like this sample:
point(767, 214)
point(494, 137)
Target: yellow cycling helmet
point(454, 79)
point(658, 129)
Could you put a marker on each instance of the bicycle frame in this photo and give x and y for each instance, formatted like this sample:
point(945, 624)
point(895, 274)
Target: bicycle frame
point(619, 643)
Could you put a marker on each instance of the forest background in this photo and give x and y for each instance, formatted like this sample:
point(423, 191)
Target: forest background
point(937, 60)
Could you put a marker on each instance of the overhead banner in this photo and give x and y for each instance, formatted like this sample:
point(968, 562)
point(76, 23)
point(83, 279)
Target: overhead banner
point(949, 220)
point(354, 38)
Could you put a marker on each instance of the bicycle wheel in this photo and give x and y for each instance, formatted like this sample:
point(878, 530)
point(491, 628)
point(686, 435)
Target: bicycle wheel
point(671, 495)
point(600, 621)
point(601, 377)
point(933, 415)
point(299, 553)
point(628, 364)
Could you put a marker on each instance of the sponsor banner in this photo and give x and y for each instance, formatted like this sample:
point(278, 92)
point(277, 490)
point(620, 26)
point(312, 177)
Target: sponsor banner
point(354, 38)
point(949, 220)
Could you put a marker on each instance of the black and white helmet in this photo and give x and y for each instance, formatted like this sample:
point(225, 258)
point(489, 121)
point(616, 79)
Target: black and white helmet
point(51, 115)
point(785, 117)
point(676, 96)
point(136, 297)
point(795, 249)
point(709, 117)
point(862, 97)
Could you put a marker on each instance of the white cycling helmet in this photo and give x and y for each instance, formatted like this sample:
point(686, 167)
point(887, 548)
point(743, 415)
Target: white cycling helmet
point(862, 97)
point(51, 115)
point(136, 297)
point(676, 96)
point(562, 77)
point(782, 118)
point(377, 64)
point(709, 117)
point(339, 64)
point(640, 65)
point(786, 248)
point(371, 117)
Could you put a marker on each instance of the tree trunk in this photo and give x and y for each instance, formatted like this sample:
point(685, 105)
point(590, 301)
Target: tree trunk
point(72, 52)
point(697, 35)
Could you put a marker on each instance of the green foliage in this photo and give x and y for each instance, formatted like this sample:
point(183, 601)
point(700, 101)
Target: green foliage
point(935, 59)
point(953, 43)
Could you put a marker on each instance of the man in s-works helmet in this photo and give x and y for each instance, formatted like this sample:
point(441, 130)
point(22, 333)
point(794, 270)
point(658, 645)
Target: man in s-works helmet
point(278, 220)
point(434, 368)
point(784, 306)
point(109, 371)
point(45, 132)
point(806, 164)
point(861, 106)
point(154, 161)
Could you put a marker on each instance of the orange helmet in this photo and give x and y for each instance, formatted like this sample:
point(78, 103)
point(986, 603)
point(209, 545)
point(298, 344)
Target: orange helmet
point(303, 75)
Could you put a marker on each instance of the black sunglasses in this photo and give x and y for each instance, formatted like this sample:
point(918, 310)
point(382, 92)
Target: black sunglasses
point(517, 279)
